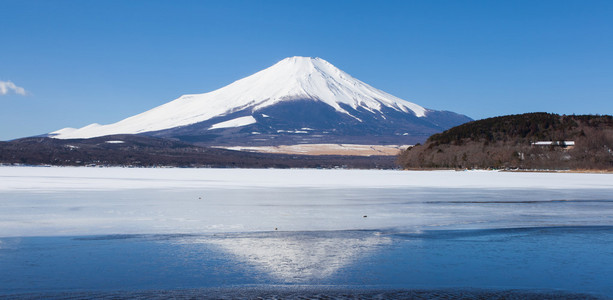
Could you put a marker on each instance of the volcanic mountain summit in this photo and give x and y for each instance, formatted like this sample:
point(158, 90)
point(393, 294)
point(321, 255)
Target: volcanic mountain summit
point(299, 100)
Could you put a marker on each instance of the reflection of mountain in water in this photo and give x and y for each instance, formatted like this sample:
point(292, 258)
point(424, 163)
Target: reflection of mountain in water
point(300, 256)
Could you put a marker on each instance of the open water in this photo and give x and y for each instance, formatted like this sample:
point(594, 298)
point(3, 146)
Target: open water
point(541, 262)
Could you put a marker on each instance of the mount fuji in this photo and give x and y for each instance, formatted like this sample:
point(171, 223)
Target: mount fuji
point(299, 100)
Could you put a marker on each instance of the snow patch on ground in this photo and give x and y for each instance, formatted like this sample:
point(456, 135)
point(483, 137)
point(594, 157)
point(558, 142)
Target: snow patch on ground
point(325, 149)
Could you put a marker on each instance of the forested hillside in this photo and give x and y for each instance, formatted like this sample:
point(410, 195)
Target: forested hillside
point(526, 141)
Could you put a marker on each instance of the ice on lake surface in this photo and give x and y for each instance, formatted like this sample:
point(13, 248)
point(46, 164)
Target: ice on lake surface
point(175, 229)
point(85, 201)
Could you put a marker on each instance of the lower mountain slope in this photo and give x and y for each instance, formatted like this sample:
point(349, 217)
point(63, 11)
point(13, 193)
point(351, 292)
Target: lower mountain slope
point(305, 121)
point(525, 141)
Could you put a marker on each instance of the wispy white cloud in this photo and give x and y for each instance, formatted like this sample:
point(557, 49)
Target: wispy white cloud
point(8, 86)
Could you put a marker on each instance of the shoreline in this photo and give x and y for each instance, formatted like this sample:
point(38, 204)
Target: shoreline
point(577, 171)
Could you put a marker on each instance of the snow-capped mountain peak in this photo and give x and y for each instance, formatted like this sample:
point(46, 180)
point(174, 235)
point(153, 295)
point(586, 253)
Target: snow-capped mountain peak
point(293, 78)
point(314, 78)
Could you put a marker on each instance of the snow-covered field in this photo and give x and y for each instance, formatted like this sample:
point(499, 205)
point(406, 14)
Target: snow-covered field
point(56, 201)
point(48, 179)
point(325, 149)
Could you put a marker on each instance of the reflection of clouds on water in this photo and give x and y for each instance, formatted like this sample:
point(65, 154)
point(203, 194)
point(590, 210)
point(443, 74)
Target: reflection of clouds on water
point(299, 256)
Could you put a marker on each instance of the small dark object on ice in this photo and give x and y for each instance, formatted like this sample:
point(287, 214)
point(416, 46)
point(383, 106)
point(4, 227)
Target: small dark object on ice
point(365, 216)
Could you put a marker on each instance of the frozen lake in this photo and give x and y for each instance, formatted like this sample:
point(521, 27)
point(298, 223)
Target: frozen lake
point(70, 230)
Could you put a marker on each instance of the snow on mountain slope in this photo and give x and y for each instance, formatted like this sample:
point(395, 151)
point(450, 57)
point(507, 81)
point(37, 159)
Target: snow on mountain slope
point(238, 122)
point(290, 79)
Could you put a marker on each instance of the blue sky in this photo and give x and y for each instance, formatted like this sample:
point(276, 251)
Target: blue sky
point(80, 62)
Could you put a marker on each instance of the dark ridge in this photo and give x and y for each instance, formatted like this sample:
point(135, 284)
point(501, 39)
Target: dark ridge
point(145, 151)
point(523, 127)
point(507, 142)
